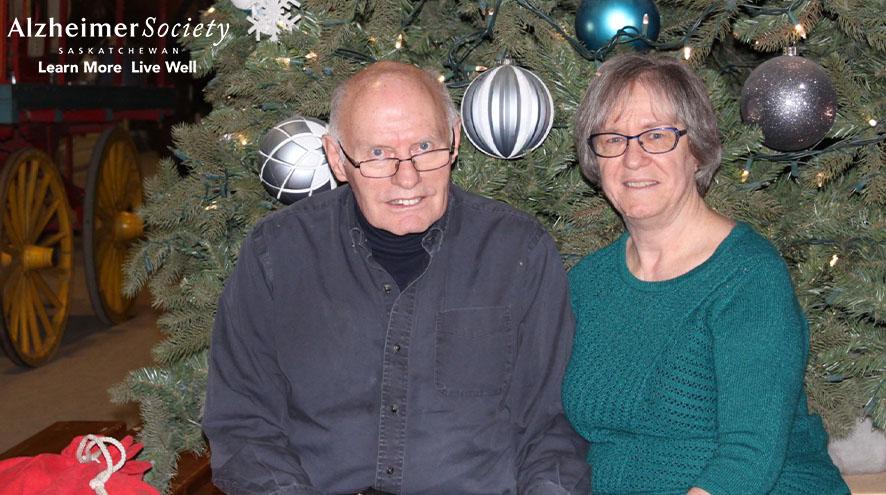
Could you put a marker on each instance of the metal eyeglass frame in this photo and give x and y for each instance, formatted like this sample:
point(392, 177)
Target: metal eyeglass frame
point(357, 164)
point(677, 132)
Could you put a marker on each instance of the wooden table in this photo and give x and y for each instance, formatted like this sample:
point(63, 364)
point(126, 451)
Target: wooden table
point(193, 478)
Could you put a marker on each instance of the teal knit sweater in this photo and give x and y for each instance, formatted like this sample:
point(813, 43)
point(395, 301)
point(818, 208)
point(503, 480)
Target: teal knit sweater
point(697, 380)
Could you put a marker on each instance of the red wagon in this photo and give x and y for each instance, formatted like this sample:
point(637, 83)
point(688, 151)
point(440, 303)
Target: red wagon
point(42, 111)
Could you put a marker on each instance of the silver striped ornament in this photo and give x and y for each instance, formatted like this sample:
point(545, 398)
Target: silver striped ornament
point(507, 112)
point(294, 165)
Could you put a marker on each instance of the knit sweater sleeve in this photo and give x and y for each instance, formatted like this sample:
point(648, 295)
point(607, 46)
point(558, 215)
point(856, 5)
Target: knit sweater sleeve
point(760, 340)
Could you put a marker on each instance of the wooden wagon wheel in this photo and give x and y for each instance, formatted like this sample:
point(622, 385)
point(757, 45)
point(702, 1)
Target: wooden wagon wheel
point(36, 254)
point(110, 224)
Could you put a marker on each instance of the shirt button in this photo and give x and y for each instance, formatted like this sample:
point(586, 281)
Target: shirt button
point(387, 288)
point(390, 471)
point(395, 408)
point(396, 347)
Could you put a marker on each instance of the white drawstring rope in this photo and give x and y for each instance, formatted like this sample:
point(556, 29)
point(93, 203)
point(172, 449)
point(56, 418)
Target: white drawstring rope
point(85, 454)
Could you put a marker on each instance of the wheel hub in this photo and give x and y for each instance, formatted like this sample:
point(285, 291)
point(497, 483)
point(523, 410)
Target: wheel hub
point(127, 226)
point(36, 257)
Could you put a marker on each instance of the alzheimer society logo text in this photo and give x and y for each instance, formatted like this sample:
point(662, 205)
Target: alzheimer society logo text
point(215, 31)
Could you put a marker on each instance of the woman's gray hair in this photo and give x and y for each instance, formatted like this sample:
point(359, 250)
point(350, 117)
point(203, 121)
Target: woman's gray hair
point(429, 78)
point(666, 78)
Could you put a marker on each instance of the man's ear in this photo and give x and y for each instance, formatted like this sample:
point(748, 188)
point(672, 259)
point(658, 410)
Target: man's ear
point(456, 133)
point(333, 156)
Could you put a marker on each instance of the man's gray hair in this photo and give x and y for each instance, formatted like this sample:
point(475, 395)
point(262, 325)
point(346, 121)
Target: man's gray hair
point(666, 78)
point(429, 78)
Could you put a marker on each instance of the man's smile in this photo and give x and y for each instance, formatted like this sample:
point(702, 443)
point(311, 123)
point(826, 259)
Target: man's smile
point(405, 201)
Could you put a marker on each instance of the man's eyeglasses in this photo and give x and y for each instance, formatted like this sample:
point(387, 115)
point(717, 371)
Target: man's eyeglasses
point(381, 168)
point(655, 141)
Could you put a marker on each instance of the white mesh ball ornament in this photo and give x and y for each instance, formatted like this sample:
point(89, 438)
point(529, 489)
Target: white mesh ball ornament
point(293, 163)
point(507, 111)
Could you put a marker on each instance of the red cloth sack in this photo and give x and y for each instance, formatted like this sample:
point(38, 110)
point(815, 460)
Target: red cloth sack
point(90, 465)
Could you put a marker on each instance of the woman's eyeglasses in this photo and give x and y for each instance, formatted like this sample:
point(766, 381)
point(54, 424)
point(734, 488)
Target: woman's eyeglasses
point(655, 141)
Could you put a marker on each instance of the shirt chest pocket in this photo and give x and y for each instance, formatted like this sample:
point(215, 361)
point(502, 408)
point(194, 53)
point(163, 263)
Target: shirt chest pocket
point(473, 350)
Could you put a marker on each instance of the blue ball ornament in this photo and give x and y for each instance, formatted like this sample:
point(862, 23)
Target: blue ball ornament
point(597, 21)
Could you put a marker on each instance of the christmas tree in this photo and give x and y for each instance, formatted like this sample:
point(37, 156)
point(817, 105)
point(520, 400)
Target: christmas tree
point(821, 204)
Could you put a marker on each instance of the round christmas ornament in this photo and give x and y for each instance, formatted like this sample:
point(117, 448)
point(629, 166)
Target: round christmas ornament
point(271, 17)
point(792, 99)
point(293, 163)
point(507, 112)
point(243, 4)
point(597, 21)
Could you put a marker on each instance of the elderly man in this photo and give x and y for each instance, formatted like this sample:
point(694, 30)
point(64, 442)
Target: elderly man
point(395, 334)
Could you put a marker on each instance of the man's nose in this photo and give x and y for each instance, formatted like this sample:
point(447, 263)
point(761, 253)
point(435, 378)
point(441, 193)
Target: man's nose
point(407, 176)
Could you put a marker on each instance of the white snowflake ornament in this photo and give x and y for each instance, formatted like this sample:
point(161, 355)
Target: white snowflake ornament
point(268, 17)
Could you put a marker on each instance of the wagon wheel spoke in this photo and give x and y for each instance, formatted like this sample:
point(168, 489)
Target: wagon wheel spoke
point(10, 286)
point(37, 203)
point(20, 198)
point(128, 183)
point(52, 239)
point(42, 317)
point(28, 176)
point(42, 188)
point(43, 288)
point(107, 275)
point(11, 225)
point(17, 316)
point(47, 214)
point(105, 190)
point(33, 329)
point(117, 165)
point(12, 221)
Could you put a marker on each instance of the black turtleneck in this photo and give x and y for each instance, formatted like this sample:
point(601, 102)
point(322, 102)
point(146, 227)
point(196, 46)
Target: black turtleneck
point(402, 256)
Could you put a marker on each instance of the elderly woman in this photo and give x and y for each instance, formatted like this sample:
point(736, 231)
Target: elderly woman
point(687, 370)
